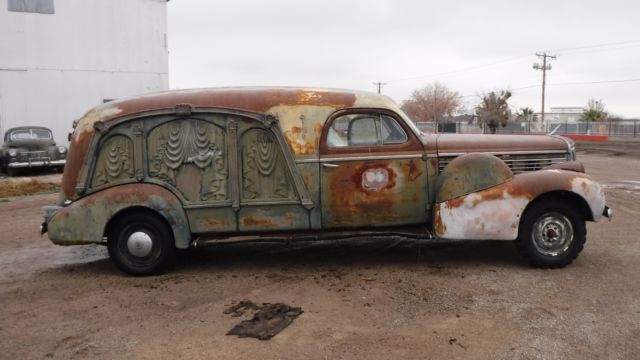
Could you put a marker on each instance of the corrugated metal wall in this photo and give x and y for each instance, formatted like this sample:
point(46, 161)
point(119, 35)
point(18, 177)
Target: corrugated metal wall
point(56, 66)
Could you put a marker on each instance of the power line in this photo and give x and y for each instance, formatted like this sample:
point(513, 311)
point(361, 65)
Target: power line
point(564, 50)
point(567, 84)
point(560, 51)
point(461, 70)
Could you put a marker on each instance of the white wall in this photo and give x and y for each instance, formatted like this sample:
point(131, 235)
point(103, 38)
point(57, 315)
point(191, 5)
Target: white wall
point(53, 68)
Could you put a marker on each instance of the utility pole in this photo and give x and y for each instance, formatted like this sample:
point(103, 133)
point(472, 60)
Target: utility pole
point(544, 67)
point(379, 84)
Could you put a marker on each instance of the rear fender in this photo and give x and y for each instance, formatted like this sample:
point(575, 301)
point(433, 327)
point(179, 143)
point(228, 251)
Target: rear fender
point(85, 220)
point(495, 213)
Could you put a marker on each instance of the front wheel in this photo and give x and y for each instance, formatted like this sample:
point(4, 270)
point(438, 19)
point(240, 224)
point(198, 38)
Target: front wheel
point(141, 244)
point(551, 234)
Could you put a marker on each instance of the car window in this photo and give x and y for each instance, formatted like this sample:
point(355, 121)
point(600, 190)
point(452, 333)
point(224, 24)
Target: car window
point(21, 135)
point(40, 134)
point(28, 134)
point(365, 129)
point(392, 132)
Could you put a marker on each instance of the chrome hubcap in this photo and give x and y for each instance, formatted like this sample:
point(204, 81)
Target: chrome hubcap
point(139, 244)
point(552, 234)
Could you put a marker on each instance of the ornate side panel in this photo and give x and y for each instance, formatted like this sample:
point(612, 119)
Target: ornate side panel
point(265, 176)
point(190, 154)
point(115, 161)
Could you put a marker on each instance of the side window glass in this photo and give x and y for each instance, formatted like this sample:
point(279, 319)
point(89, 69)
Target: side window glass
point(363, 130)
point(392, 132)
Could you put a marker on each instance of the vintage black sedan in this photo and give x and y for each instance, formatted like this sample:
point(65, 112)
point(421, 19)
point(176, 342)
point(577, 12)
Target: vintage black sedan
point(30, 147)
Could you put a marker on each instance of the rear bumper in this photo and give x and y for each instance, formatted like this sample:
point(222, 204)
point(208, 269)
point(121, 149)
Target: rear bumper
point(36, 163)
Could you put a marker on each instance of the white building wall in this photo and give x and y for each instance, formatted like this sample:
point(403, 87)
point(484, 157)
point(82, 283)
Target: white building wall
point(55, 67)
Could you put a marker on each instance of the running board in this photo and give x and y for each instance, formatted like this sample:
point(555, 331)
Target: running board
point(217, 239)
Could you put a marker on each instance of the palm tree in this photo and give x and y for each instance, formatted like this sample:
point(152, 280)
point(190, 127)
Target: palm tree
point(527, 114)
point(594, 111)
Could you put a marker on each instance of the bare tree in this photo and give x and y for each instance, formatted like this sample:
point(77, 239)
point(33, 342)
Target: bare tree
point(433, 102)
point(493, 110)
point(594, 111)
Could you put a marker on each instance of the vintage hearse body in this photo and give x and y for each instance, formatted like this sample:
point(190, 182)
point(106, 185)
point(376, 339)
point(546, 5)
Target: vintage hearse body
point(178, 169)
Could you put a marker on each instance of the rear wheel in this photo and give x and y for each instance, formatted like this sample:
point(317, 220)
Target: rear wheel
point(11, 172)
point(551, 234)
point(141, 244)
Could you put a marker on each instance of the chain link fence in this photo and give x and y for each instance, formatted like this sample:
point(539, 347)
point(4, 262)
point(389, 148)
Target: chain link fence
point(614, 128)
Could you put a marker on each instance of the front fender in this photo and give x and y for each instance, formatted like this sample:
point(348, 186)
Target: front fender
point(495, 213)
point(85, 220)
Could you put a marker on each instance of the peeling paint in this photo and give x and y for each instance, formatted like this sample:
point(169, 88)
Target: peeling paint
point(495, 213)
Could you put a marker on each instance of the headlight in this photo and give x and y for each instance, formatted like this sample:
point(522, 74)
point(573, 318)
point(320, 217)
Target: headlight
point(62, 149)
point(13, 152)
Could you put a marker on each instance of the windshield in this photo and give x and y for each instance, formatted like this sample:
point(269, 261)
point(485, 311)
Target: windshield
point(30, 134)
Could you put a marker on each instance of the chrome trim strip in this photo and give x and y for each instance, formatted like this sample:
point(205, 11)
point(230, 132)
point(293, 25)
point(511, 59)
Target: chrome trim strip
point(306, 161)
point(522, 152)
point(571, 146)
point(28, 164)
point(378, 157)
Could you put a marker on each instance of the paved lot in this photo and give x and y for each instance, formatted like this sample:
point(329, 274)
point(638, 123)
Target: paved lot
point(386, 299)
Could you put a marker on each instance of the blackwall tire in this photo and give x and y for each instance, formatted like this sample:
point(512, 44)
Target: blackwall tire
point(141, 244)
point(551, 235)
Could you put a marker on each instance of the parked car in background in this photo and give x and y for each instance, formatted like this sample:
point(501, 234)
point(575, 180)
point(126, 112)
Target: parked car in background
point(31, 147)
point(188, 168)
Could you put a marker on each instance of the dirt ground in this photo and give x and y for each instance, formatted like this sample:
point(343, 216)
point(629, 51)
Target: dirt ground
point(382, 299)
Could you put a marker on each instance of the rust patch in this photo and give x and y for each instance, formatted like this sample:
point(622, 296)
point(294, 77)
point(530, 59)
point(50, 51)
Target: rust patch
point(359, 177)
point(457, 202)
point(414, 171)
point(300, 142)
point(438, 225)
point(250, 99)
point(75, 159)
point(251, 221)
point(214, 222)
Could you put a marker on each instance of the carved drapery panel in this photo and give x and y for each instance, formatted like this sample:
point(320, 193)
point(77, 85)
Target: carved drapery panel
point(115, 161)
point(264, 171)
point(196, 143)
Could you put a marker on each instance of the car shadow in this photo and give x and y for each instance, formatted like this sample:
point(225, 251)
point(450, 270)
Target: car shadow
point(307, 256)
point(348, 253)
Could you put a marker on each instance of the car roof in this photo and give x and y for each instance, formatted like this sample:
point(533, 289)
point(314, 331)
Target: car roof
point(27, 128)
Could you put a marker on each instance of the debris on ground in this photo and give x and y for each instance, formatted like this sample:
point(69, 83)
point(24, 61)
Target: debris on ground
point(267, 321)
point(21, 188)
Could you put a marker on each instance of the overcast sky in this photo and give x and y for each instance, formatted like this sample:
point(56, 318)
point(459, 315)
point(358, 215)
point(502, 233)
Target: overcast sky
point(470, 46)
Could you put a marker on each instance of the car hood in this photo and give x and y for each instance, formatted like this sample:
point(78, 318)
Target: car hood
point(466, 143)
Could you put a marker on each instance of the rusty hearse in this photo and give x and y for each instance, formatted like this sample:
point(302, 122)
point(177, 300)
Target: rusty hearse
point(165, 171)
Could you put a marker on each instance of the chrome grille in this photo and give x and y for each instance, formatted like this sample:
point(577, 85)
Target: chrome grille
point(33, 155)
point(519, 163)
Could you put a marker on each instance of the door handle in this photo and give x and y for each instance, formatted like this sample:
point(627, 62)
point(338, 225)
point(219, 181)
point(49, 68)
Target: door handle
point(330, 165)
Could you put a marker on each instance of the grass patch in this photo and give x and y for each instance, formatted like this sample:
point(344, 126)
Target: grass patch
point(21, 188)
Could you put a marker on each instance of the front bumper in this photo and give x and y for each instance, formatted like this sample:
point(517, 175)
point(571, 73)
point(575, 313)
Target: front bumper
point(607, 212)
point(36, 163)
point(48, 212)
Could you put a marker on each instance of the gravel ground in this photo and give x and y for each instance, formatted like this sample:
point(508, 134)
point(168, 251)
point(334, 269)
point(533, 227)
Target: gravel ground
point(381, 299)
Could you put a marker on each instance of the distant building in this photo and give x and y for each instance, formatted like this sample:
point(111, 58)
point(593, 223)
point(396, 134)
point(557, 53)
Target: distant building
point(567, 114)
point(58, 58)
